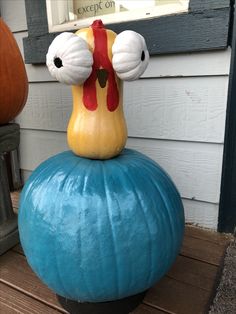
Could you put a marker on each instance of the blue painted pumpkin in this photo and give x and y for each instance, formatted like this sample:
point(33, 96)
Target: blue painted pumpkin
point(99, 230)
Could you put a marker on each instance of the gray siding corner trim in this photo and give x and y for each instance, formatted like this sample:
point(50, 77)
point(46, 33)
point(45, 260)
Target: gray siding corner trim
point(204, 27)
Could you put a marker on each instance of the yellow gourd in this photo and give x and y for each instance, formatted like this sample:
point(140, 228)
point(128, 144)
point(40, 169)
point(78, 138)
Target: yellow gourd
point(100, 132)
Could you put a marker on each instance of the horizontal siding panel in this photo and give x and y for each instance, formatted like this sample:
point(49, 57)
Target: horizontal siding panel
point(187, 109)
point(13, 13)
point(48, 107)
point(197, 213)
point(37, 146)
point(190, 64)
point(190, 109)
point(194, 167)
point(201, 214)
point(187, 64)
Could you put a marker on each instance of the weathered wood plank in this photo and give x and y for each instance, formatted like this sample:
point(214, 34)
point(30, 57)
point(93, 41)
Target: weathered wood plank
point(221, 239)
point(12, 301)
point(186, 64)
point(185, 269)
point(194, 272)
point(145, 309)
point(189, 109)
point(202, 250)
point(183, 161)
point(18, 249)
point(13, 13)
point(177, 297)
point(186, 289)
point(187, 275)
point(16, 272)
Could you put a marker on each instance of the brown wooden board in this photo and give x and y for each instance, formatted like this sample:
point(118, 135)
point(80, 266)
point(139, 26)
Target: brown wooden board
point(203, 250)
point(180, 294)
point(187, 288)
point(12, 301)
point(18, 249)
point(208, 235)
point(178, 297)
point(16, 272)
point(185, 269)
point(146, 309)
point(193, 272)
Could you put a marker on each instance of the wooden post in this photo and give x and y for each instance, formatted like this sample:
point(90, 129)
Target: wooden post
point(9, 141)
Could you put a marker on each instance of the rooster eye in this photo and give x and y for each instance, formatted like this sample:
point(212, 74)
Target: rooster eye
point(143, 56)
point(130, 55)
point(58, 63)
point(69, 59)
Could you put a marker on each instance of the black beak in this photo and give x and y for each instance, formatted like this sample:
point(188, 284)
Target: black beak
point(102, 76)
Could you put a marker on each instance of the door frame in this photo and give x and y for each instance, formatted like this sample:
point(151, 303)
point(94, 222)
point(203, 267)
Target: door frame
point(227, 208)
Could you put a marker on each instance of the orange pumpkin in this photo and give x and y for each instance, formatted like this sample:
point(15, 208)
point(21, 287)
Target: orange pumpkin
point(13, 77)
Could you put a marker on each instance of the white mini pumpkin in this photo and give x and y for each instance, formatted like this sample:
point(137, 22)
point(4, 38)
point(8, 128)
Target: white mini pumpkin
point(69, 59)
point(130, 55)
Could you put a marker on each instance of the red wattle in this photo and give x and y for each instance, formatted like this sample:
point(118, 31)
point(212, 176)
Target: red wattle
point(101, 61)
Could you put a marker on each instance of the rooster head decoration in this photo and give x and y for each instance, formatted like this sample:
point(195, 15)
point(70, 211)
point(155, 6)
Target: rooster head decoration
point(94, 60)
